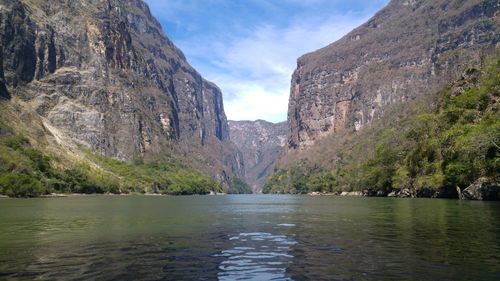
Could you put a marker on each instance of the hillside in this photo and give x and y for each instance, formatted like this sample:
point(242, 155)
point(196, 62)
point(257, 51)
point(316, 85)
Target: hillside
point(101, 77)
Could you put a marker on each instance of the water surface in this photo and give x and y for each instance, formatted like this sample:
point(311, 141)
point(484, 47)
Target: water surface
point(248, 238)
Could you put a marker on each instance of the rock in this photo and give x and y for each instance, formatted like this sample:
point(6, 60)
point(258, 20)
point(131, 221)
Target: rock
point(54, 195)
point(260, 143)
point(374, 193)
point(156, 188)
point(401, 53)
point(482, 189)
point(392, 194)
point(352, 193)
point(405, 192)
point(369, 192)
point(4, 93)
point(459, 192)
point(104, 74)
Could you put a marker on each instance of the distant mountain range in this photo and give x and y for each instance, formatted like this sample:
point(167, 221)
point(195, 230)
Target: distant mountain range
point(260, 143)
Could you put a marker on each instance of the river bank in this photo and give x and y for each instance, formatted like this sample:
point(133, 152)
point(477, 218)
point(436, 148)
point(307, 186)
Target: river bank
point(483, 189)
point(65, 195)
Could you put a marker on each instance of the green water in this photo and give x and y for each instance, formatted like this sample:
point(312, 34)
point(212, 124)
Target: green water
point(248, 237)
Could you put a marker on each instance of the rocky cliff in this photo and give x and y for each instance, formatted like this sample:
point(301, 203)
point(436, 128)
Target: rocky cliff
point(260, 143)
point(404, 105)
point(102, 74)
point(408, 49)
point(442, 145)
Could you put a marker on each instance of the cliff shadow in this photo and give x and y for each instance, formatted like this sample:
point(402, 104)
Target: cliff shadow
point(4, 93)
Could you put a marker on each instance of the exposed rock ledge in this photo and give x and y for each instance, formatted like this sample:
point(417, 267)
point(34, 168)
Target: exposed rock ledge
point(482, 189)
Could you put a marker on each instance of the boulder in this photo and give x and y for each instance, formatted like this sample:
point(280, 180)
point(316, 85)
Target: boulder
point(482, 189)
point(355, 193)
point(369, 192)
point(405, 192)
point(374, 193)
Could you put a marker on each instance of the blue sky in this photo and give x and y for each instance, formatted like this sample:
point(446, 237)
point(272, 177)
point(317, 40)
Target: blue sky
point(249, 48)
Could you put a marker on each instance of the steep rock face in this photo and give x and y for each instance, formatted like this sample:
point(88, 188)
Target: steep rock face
point(104, 74)
point(260, 143)
point(482, 189)
point(410, 48)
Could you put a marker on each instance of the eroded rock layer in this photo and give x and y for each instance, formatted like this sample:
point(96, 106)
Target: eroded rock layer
point(410, 48)
point(103, 73)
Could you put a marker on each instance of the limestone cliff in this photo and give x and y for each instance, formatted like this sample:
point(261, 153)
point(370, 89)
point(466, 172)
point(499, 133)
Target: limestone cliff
point(410, 48)
point(260, 143)
point(104, 74)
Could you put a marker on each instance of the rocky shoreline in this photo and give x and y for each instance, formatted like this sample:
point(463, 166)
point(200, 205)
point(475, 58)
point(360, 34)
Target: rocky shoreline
point(483, 189)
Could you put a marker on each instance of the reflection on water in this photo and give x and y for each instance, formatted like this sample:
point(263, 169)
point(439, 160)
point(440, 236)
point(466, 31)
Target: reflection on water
point(248, 238)
point(256, 256)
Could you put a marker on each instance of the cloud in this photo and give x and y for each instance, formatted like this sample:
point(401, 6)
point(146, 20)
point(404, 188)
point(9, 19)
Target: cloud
point(252, 61)
point(254, 102)
point(254, 71)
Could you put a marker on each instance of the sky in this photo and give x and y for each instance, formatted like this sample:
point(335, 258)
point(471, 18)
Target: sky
point(249, 48)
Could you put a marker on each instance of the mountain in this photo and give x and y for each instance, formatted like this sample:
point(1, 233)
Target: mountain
point(260, 143)
point(102, 76)
point(408, 49)
point(360, 107)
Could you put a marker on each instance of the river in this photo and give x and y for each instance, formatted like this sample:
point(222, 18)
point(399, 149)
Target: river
point(248, 237)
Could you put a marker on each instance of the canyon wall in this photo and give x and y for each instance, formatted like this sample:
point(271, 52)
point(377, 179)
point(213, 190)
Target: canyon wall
point(104, 75)
point(408, 49)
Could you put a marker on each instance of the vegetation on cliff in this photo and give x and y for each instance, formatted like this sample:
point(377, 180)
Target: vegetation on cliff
point(30, 167)
point(239, 186)
point(428, 147)
point(28, 172)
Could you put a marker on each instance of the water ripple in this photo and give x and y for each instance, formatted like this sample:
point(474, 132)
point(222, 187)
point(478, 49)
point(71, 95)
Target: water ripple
point(287, 224)
point(256, 256)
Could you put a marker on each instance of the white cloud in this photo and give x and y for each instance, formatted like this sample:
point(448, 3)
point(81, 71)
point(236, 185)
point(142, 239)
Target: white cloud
point(253, 63)
point(254, 102)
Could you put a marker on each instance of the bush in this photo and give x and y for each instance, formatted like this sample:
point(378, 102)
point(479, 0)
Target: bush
point(238, 186)
point(20, 185)
point(323, 182)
